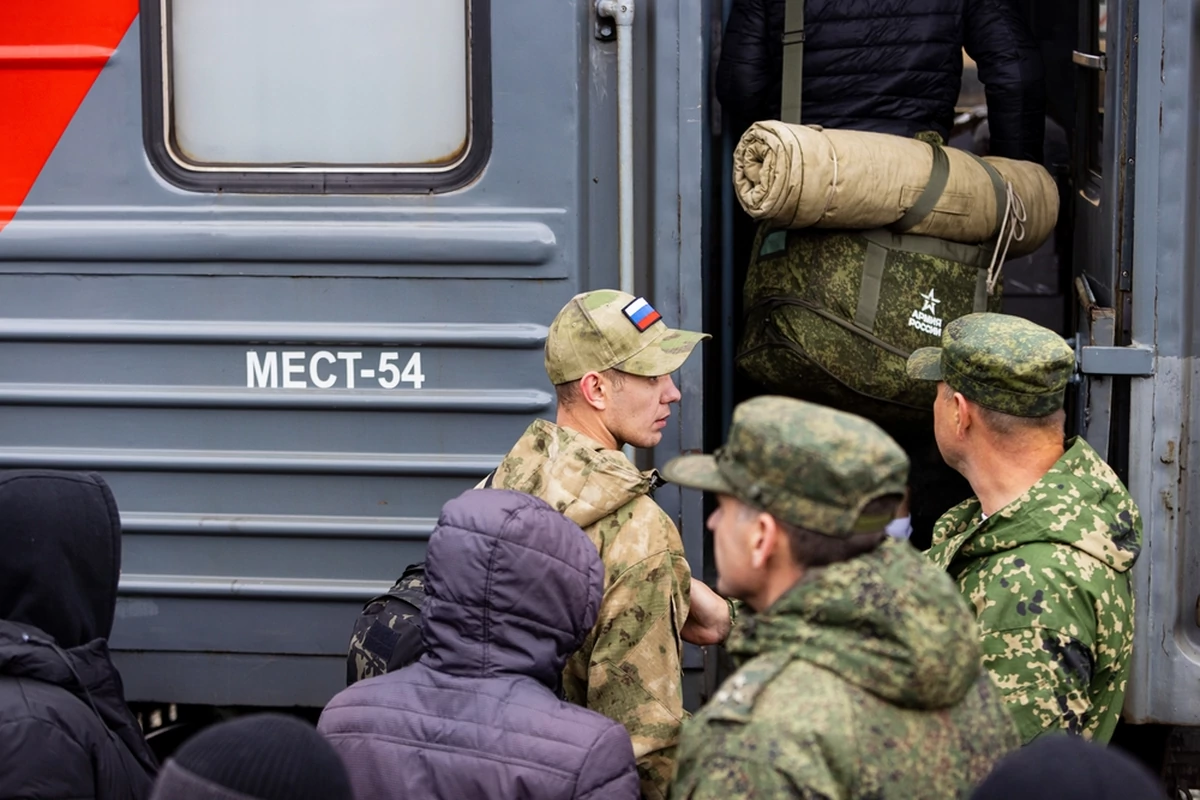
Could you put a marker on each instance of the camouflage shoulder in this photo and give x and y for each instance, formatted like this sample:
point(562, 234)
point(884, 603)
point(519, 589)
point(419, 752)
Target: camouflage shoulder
point(743, 744)
point(736, 698)
point(1109, 530)
point(530, 449)
point(1083, 461)
point(1114, 523)
point(635, 531)
point(722, 778)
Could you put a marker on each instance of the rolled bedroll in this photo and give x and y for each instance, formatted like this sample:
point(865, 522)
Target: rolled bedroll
point(801, 176)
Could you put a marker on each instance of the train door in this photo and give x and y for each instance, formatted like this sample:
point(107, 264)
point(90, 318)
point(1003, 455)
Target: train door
point(1102, 206)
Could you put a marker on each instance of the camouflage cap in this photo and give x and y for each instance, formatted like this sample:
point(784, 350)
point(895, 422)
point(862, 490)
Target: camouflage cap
point(805, 464)
point(607, 329)
point(1001, 362)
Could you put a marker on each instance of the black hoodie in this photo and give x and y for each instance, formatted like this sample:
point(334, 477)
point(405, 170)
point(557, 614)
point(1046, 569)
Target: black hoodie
point(65, 731)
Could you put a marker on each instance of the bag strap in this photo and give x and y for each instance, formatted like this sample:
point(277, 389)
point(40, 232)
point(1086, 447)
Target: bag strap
point(981, 291)
point(998, 186)
point(939, 176)
point(870, 287)
point(394, 590)
point(410, 569)
point(793, 62)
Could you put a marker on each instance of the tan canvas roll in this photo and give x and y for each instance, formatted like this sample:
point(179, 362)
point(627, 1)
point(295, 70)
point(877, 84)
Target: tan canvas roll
point(800, 176)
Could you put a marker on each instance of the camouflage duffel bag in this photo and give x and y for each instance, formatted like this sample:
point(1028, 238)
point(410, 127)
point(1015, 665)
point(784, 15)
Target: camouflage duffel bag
point(831, 316)
point(387, 632)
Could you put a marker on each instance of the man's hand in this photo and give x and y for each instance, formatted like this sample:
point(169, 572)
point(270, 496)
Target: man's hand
point(708, 620)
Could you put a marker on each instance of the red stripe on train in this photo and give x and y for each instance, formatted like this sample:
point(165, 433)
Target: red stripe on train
point(51, 52)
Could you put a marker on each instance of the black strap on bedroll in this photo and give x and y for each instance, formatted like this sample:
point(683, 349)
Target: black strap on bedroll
point(939, 176)
point(793, 62)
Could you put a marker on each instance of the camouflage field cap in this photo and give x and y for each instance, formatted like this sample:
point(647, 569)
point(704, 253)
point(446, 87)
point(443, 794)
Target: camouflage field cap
point(607, 329)
point(1001, 362)
point(803, 463)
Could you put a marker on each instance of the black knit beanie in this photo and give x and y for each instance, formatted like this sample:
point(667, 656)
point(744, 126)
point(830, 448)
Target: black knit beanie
point(258, 757)
point(1060, 767)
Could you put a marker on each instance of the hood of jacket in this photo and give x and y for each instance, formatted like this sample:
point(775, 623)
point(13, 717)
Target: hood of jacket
point(574, 473)
point(887, 621)
point(61, 538)
point(1080, 503)
point(512, 587)
point(86, 671)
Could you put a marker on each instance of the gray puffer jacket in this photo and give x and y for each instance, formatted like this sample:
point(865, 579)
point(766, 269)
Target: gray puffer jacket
point(512, 588)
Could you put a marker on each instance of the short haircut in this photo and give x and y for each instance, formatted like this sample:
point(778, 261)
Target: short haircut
point(569, 393)
point(811, 549)
point(1012, 425)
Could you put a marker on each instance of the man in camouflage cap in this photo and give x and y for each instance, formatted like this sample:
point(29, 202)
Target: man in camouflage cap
point(860, 672)
point(1043, 551)
point(610, 357)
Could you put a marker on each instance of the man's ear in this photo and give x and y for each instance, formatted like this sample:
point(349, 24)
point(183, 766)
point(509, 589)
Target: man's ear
point(595, 390)
point(764, 540)
point(963, 416)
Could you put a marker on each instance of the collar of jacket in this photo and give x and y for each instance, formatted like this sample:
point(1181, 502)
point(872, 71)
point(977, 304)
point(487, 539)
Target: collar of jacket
point(573, 473)
point(1079, 481)
point(887, 621)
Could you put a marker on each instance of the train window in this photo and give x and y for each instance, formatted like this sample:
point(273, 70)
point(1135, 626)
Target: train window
point(323, 95)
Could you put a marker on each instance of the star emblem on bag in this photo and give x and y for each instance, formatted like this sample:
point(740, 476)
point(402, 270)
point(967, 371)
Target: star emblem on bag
point(929, 302)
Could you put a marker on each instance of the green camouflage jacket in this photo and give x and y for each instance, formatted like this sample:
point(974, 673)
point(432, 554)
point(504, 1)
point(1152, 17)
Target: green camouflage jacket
point(863, 682)
point(1048, 579)
point(630, 666)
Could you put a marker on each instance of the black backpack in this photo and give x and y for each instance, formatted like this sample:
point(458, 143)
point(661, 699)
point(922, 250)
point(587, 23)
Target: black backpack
point(387, 633)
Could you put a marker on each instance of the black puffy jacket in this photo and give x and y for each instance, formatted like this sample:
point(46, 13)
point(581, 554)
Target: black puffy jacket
point(891, 66)
point(65, 731)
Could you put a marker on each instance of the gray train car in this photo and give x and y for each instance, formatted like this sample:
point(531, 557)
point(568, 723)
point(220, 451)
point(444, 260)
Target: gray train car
point(282, 272)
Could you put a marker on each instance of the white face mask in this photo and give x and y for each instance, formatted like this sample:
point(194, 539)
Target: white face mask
point(900, 528)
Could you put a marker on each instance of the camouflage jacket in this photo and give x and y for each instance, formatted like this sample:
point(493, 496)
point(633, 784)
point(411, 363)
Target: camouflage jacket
point(1048, 579)
point(862, 682)
point(630, 666)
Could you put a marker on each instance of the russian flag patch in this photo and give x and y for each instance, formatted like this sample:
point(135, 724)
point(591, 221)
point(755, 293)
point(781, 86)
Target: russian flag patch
point(641, 314)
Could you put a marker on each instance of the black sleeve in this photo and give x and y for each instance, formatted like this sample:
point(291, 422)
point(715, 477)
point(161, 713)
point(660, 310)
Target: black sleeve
point(42, 762)
point(744, 73)
point(1010, 68)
